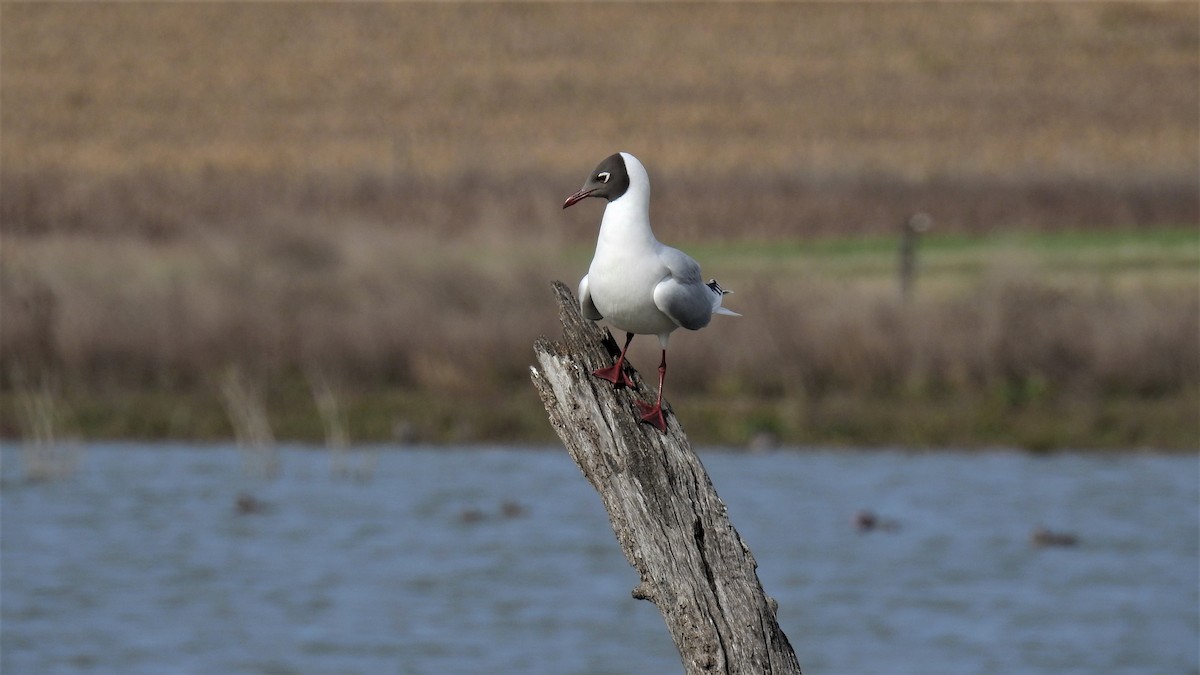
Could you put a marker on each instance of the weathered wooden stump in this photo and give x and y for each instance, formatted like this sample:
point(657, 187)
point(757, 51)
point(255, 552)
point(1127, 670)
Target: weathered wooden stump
point(668, 519)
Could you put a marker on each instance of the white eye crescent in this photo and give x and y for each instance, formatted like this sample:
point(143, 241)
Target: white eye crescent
point(602, 176)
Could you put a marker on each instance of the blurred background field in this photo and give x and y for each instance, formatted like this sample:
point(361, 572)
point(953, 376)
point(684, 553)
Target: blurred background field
point(365, 199)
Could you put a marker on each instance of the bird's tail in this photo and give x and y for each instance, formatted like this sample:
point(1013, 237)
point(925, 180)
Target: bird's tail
point(718, 295)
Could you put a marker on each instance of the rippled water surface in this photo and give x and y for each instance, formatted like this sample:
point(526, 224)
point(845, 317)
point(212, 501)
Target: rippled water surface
point(502, 560)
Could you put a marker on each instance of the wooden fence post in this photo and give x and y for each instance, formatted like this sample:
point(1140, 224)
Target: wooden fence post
point(667, 517)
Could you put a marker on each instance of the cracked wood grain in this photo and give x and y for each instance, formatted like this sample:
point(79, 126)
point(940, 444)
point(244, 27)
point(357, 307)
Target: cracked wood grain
point(665, 513)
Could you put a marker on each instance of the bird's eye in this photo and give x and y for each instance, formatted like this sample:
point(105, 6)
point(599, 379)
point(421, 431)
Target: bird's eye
point(602, 176)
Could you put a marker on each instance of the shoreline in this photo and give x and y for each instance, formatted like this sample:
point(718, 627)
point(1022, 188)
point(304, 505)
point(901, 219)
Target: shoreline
point(413, 419)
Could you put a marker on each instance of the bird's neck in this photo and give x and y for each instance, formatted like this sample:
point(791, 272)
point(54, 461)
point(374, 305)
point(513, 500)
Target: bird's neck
point(626, 222)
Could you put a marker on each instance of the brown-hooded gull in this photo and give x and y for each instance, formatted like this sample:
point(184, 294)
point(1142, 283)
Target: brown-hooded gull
point(635, 282)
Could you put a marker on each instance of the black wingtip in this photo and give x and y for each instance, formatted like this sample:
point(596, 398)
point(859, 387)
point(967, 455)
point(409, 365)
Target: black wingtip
point(716, 288)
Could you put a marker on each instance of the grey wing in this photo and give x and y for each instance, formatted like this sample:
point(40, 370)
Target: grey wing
point(585, 301)
point(682, 295)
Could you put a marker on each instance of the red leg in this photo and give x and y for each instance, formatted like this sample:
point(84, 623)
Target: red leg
point(614, 373)
point(653, 414)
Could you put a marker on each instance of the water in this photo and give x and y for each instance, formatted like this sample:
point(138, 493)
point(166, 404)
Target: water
point(140, 563)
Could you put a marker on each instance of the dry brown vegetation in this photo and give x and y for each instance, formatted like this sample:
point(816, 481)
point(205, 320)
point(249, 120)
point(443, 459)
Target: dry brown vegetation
point(375, 189)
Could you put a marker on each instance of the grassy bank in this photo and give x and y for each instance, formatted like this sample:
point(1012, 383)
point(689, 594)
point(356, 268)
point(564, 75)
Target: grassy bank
point(1041, 340)
point(989, 420)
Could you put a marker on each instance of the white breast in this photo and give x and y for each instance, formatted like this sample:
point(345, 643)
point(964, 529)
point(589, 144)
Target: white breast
point(622, 288)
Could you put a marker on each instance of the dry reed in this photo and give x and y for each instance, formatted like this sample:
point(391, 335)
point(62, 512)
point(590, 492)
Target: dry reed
point(248, 415)
point(344, 461)
point(47, 450)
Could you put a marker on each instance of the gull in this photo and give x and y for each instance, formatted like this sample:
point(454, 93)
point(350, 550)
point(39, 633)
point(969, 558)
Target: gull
point(635, 282)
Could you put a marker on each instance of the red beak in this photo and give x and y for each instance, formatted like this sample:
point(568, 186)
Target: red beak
point(577, 197)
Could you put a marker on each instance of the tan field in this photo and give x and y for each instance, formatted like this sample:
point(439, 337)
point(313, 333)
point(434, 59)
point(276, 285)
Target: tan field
point(917, 91)
point(373, 191)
